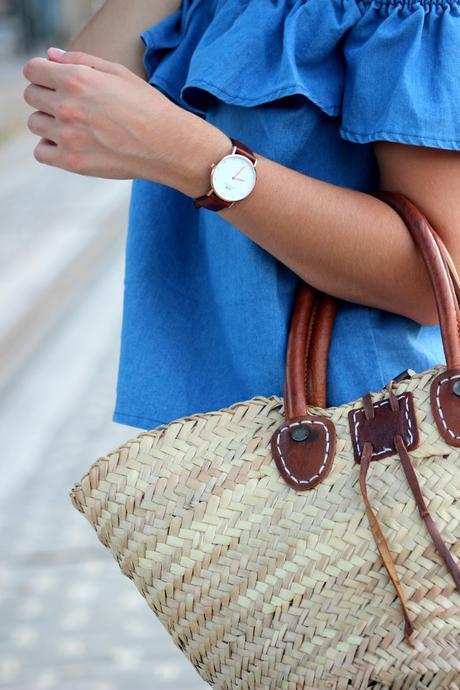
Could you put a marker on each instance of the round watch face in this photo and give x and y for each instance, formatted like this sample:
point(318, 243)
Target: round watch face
point(233, 177)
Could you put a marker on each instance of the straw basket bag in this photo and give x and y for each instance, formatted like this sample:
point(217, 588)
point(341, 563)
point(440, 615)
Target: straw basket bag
point(288, 545)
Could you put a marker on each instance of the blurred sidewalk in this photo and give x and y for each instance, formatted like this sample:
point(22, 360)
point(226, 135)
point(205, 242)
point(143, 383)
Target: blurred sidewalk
point(69, 620)
point(13, 109)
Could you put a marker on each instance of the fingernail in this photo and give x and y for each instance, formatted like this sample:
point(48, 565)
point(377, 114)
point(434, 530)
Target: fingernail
point(56, 51)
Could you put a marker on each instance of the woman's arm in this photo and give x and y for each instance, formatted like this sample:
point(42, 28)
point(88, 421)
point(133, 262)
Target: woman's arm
point(113, 32)
point(344, 242)
point(348, 243)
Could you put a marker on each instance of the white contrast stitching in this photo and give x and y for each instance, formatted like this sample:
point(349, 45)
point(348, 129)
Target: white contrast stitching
point(323, 465)
point(380, 404)
point(438, 403)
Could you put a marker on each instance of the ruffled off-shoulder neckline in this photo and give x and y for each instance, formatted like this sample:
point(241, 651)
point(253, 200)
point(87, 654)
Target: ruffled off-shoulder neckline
point(388, 68)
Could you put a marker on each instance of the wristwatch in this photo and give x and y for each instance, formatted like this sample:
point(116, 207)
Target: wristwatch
point(232, 178)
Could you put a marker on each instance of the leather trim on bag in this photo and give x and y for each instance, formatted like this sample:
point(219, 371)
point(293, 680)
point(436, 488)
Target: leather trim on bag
point(445, 405)
point(304, 463)
point(380, 430)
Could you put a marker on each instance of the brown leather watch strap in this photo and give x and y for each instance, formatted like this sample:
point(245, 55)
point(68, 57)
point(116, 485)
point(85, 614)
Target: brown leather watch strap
point(243, 150)
point(211, 201)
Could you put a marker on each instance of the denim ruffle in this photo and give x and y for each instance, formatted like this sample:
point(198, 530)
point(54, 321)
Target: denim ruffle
point(403, 73)
point(207, 310)
point(248, 52)
point(390, 69)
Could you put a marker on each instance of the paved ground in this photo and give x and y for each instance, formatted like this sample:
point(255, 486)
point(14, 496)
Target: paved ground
point(69, 620)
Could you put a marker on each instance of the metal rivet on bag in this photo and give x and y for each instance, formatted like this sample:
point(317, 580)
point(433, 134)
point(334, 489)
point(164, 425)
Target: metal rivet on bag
point(299, 433)
point(456, 388)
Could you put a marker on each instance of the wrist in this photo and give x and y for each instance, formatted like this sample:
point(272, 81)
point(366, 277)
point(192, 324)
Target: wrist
point(204, 146)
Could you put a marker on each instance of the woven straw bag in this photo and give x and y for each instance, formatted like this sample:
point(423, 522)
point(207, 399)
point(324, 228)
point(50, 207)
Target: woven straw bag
point(287, 545)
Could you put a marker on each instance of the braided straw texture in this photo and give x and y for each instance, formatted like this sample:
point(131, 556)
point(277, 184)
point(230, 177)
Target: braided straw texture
point(267, 588)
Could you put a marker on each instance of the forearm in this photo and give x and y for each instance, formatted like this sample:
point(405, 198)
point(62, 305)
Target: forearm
point(113, 32)
point(344, 242)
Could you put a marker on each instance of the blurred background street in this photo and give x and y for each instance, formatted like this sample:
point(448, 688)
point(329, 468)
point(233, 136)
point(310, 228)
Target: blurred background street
point(68, 618)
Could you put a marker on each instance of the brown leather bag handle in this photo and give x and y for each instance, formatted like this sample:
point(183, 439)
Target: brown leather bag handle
point(313, 316)
point(307, 350)
point(424, 235)
point(452, 272)
point(298, 366)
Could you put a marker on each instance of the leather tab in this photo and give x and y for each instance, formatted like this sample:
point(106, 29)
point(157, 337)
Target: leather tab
point(380, 427)
point(445, 405)
point(305, 462)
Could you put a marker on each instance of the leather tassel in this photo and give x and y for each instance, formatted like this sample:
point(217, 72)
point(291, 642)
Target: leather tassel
point(381, 541)
point(414, 485)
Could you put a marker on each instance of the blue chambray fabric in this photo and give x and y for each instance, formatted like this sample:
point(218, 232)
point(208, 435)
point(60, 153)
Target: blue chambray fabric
point(310, 84)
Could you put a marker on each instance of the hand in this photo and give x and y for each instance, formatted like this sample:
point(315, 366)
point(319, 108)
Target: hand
point(98, 118)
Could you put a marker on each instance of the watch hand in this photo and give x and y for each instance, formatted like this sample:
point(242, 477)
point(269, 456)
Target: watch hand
point(234, 176)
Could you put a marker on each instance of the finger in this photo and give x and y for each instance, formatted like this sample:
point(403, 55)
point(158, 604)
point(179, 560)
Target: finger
point(80, 58)
point(41, 98)
point(42, 72)
point(43, 125)
point(46, 152)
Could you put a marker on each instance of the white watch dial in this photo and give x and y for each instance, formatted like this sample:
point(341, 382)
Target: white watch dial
point(233, 177)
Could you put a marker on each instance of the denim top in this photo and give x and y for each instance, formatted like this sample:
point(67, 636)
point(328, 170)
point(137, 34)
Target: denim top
point(310, 84)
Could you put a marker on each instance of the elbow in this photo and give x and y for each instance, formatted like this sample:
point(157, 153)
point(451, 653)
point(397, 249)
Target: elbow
point(429, 316)
point(423, 311)
point(433, 321)
point(424, 306)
